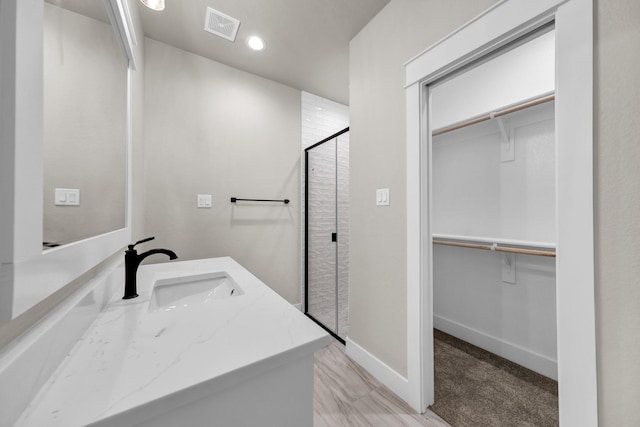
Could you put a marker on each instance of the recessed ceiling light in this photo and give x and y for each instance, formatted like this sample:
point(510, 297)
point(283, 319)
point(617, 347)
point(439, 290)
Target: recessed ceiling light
point(154, 4)
point(255, 43)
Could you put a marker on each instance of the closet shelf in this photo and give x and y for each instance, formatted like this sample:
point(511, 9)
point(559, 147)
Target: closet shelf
point(494, 244)
point(495, 114)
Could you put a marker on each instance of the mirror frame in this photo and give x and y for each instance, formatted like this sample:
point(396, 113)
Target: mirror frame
point(28, 274)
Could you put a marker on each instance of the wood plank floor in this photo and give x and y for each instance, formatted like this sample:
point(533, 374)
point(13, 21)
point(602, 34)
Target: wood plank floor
point(346, 395)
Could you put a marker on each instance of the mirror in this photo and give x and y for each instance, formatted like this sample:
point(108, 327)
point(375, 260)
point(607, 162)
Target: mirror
point(28, 275)
point(84, 124)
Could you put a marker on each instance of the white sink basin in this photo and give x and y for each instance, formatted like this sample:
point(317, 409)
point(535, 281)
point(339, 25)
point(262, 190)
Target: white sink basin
point(189, 291)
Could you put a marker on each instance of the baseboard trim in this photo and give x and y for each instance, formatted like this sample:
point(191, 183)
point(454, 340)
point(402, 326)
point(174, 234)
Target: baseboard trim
point(517, 354)
point(381, 371)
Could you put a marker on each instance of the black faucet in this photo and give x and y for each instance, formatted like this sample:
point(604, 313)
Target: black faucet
point(131, 263)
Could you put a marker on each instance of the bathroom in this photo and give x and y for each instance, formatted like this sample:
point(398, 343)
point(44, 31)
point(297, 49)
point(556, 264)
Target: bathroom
point(256, 123)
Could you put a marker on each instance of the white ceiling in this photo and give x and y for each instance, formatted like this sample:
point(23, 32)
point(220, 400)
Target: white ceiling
point(307, 41)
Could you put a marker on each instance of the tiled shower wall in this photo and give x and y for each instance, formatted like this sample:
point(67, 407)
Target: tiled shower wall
point(322, 222)
point(322, 118)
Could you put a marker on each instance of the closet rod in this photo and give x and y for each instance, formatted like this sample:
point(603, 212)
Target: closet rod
point(503, 112)
point(496, 248)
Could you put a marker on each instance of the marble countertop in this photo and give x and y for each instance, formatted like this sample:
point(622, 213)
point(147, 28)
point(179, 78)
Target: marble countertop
point(135, 363)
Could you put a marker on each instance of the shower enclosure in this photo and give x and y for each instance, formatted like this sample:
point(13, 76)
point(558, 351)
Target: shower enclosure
point(327, 233)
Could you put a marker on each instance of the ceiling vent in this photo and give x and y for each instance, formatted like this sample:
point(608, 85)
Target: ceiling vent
point(221, 25)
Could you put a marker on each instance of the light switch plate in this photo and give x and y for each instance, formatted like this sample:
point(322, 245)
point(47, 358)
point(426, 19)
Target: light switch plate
point(382, 197)
point(67, 197)
point(204, 200)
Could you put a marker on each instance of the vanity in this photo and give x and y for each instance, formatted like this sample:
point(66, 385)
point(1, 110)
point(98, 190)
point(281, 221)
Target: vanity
point(205, 343)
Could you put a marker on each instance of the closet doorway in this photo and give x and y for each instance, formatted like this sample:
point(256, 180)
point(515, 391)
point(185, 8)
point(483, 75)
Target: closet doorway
point(327, 234)
point(493, 218)
point(504, 23)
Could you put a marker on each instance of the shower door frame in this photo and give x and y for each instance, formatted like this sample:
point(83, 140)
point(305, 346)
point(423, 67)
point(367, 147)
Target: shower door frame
point(306, 234)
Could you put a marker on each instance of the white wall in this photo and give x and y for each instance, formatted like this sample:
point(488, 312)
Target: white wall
point(524, 72)
point(377, 295)
point(212, 129)
point(516, 321)
point(477, 194)
point(617, 89)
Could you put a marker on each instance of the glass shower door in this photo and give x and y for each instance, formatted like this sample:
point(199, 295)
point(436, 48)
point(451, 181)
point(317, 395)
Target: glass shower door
point(327, 240)
point(321, 234)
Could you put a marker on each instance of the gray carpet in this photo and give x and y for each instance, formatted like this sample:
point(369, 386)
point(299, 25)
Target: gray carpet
point(476, 388)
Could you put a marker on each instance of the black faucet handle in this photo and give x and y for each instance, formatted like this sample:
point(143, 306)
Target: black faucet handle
point(140, 241)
